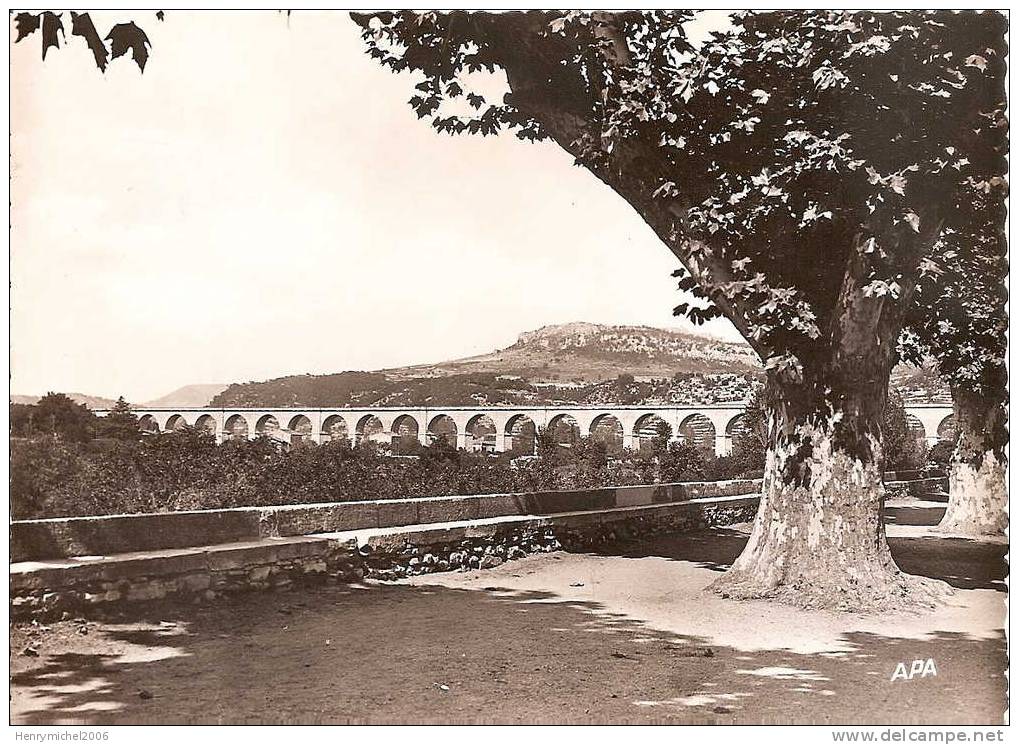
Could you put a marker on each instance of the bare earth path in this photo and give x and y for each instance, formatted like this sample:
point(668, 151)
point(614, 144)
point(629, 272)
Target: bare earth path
point(627, 635)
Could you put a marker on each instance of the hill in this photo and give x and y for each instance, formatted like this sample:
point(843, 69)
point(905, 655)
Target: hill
point(93, 402)
point(588, 352)
point(574, 363)
point(198, 394)
point(918, 385)
point(569, 363)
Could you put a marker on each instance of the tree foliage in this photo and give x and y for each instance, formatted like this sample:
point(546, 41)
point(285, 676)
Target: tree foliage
point(120, 423)
point(775, 160)
point(57, 415)
point(123, 38)
point(959, 317)
point(903, 448)
point(750, 442)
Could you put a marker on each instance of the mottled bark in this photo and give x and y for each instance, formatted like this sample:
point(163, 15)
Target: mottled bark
point(819, 538)
point(977, 489)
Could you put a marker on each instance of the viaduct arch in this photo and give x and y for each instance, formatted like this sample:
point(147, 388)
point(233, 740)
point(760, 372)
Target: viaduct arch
point(490, 428)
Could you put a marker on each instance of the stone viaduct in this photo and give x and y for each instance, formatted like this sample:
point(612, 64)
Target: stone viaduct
point(492, 428)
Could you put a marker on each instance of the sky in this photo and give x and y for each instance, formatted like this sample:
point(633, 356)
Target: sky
point(262, 201)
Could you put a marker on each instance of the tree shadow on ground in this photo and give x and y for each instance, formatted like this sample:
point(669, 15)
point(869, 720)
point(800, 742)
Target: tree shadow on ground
point(436, 654)
point(397, 653)
point(428, 653)
point(964, 563)
point(712, 548)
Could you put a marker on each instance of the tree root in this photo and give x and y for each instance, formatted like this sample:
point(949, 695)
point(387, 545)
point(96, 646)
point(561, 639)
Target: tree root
point(882, 593)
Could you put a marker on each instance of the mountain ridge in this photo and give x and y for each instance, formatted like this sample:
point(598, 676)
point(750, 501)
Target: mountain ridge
point(570, 363)
point(589, 352)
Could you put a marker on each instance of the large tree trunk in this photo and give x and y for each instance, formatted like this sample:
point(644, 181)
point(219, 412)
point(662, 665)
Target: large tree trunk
point(977, 489)
point(819, 538)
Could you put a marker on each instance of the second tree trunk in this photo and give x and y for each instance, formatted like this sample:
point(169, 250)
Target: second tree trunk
point(977, 490)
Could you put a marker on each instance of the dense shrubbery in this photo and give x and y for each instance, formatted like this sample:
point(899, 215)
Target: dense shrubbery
point(53, 476)
point(902, 448)
point(940, 456)
point(65, 461)
point(121, 470)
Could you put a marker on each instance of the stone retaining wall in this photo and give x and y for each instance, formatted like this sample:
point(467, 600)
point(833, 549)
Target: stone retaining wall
point(49, 589)
point(86, 585)
point(935, 487)
point(399, 554)
point(110, 534)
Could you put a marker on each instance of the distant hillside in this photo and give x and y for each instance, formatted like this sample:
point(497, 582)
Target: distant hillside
point(919, 385)
point(482, 389)
point(199, 394)
point(588, 352)
point(93, 402)
point(574, 363)
point(570, 363)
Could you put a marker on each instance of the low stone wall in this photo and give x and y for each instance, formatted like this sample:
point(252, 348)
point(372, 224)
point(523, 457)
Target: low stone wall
point(56, 538)
point(126, 559)
point(935, 487)
point(911, 474)
point(111, 534)
point(89, 585)
point(50, 589)
point(484, 545)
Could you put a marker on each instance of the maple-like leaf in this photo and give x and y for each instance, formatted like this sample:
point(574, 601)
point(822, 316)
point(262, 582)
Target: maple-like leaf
point(81, 25)
point(127, 37)
point(51, 24)
point(27, 24)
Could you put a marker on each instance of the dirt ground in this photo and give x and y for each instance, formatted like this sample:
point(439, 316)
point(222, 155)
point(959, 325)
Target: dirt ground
point(624, 635)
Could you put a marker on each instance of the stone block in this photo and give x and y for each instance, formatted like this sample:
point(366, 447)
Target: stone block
point(546, 503)
point(499, 505)
point(113, 534)
point(145, 590)
point(154, 564)
point(259, 574)
point(299, 548)
point(227, 558)
point(325, 518)
point(634, 496)
point(385, 543)
point(194, 582)
point(396, 512)
point(491, 561)
point(447, 510)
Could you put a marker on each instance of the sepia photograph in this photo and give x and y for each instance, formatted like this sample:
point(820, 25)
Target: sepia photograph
point(522, 367)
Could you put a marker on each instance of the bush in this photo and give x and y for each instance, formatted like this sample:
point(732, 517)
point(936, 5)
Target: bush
point(52, 476)
point(940, 455)
point(750, 443)
point(682, 462)
point(902, 449)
